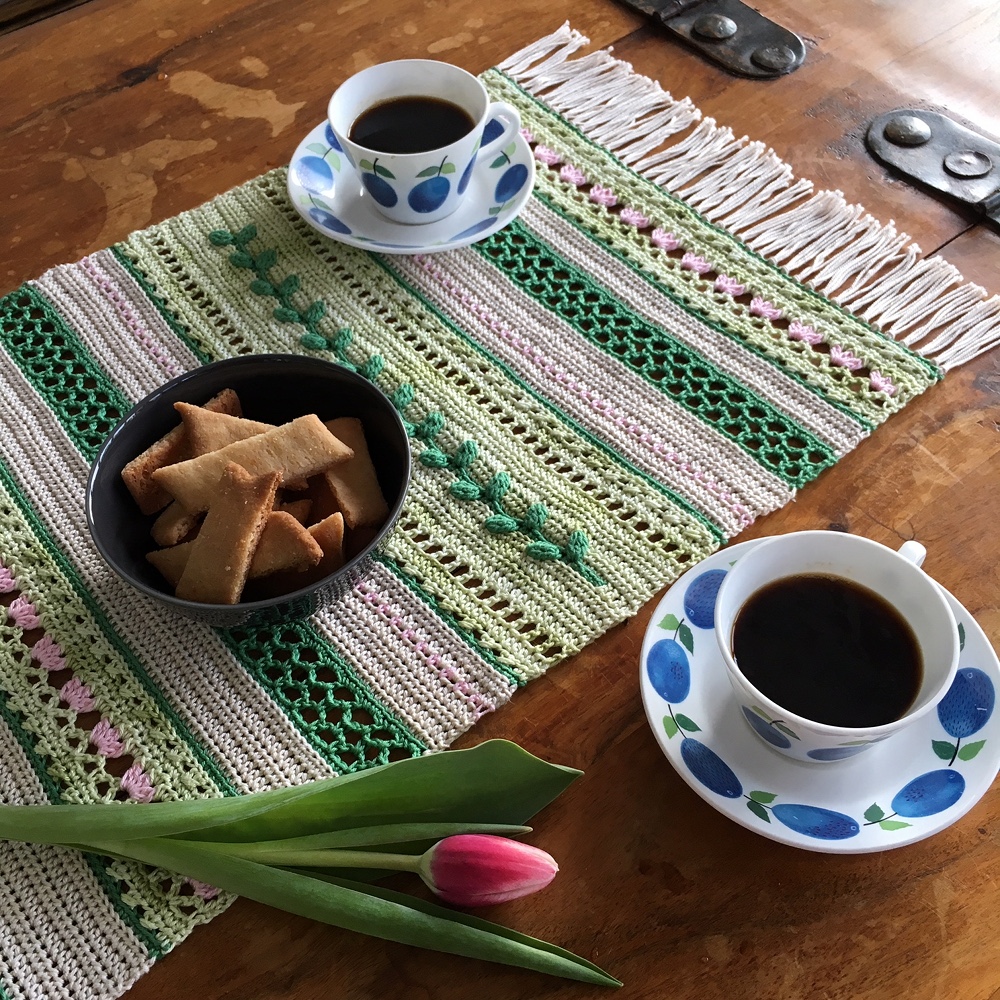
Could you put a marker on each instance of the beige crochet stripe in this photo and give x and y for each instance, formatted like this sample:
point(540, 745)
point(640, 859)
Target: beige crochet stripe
point(648, 428)
point(433, 681)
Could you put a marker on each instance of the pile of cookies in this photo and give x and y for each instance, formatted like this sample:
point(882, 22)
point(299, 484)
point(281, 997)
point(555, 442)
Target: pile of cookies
point(250, 510)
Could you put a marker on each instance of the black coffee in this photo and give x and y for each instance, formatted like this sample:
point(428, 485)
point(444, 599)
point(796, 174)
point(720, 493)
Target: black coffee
point(410, 125)
point(828, 650)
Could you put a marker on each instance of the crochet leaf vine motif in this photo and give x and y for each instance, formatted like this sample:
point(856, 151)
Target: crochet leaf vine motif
point(465, 486)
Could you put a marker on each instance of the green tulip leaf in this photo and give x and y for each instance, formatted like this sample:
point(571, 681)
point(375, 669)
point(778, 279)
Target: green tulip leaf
point(495, 782)
point(361, 908)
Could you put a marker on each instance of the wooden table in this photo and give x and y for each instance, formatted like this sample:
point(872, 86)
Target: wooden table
point(118, 114)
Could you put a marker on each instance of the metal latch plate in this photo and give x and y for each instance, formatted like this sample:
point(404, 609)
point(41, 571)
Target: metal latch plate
point(938, 152)
point(731, 34)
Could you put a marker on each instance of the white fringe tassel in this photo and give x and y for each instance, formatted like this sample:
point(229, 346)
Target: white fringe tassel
point(836, 248)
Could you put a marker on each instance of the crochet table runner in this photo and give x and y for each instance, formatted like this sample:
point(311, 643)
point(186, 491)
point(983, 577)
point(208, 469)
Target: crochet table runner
point(598, 396)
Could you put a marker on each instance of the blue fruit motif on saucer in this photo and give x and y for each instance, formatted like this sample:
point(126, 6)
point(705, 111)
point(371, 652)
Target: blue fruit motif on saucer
point(962, 713)
point(700, 597)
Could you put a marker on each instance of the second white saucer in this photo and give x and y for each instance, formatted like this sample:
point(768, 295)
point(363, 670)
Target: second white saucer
point(911, 786)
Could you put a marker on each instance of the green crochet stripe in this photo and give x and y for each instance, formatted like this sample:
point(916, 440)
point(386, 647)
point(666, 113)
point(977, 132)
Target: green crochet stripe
point(115, 641)
point(52, 358)
point(677, 500)
point(291, 662)
point(776, 442)
point(781, 355)
point(702, 229)
point(464, 634)
point(98, 865)
point(166, 313)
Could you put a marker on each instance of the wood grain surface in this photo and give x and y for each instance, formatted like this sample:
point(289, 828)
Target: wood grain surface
point(120, 113)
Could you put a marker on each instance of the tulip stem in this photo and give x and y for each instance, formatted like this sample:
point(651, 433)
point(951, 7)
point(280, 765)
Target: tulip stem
point(326, 858)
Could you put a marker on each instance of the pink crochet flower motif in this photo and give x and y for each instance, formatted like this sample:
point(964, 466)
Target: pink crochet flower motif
point(761, 307)
point(603, 196)
point(23, 613)
point(106, 740)
point(136, 784)
point(665, 241)
point(633, 217)
point(203, 889)
point(693, 262)
point(48, 653)
point(843, 358)
point(547, 156)
point(800, 331)
point(77, 695)
point(528, 135)
point(572, 175)
point(880, 383)
point(7, 581)
point(729, 286)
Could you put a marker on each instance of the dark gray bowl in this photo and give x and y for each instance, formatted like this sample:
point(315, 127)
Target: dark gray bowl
point(273, 388)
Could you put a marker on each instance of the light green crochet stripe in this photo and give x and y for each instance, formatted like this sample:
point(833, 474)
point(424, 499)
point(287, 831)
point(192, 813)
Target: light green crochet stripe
point(177, 767)
point(110, 884)
point(354, 288)
point(912, 371)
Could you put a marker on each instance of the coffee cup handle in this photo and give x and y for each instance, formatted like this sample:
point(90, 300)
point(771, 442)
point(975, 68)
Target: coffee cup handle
point(913, 552)
point(509, 118)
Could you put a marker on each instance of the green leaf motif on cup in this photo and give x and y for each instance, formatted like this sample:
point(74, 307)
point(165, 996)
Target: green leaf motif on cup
point(428, 172)
point(365, 164)
point(961, 636)
point(384, 171)
point(448, 168)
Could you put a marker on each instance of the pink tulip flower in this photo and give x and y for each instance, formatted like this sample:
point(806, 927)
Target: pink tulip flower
point(473, 869)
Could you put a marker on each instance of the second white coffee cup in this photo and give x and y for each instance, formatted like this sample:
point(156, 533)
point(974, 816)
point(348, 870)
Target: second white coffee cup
point(893, 576)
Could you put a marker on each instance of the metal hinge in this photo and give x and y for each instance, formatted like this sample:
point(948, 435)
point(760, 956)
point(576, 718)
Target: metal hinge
point(941, 154)
point(729, 33)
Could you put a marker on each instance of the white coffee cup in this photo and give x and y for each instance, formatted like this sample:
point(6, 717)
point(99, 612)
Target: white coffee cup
point(426, 186)
point(895, 576)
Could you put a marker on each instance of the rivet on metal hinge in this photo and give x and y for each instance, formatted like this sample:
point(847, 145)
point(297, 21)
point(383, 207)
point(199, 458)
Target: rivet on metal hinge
point(729, 33)
point(938, 152)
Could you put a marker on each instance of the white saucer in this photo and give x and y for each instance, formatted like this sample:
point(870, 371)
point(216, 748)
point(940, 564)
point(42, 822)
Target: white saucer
point(327, 193)
point(874, 794)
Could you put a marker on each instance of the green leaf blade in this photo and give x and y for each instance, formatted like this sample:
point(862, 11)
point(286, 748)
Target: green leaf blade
point(943, 749)
point(758, 810)
point(686, 724)
point(669, 623)
point(894, 824)
point(365, 909)
point(874, 813)
point(763, 797)
point(670, 727)
point(685, 637)
point(971, 749)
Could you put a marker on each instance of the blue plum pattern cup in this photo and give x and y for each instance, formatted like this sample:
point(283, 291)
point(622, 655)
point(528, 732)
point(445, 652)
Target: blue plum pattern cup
point(423, 187)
